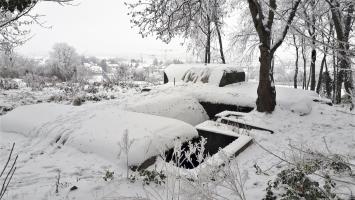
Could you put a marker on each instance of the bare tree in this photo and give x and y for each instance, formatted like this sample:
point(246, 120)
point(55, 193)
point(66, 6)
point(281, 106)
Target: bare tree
point(310, 18)
point(190, 19)
point(296, 45)
point(263, 14)
point(343, 19)
point(326, 39)
point(304, 57)
point(15, 19)
point(64, 61)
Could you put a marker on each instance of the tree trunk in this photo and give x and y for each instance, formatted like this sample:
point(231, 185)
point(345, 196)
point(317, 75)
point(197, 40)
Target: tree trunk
point(327, 81)
point(309, 78)
point(334, 67)
point(206, 54)
point(324, 63)
point(324, 60)
point(296, 63)
point(343, 27)
point(220, 42)
point(207, 50)
point(304, 65)
point(266, 101)
point(335, 75)
point(339, 81)
point(208, 39)
point(314, 51)
point(313, 68)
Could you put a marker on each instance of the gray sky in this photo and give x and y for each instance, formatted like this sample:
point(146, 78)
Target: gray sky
point(94, 27)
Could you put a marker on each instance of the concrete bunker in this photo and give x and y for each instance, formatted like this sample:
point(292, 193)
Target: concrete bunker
point(213, 109)
point(214, 74)
point(215, 141)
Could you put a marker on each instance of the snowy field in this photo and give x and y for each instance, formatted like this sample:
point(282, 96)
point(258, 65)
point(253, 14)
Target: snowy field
point(62, 146)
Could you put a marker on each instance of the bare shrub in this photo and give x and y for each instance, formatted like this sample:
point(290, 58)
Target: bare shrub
point(310, 174)
point(8, 84)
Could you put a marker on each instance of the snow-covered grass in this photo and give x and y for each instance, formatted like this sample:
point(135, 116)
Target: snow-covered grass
point(63, 93)
point(90, 134)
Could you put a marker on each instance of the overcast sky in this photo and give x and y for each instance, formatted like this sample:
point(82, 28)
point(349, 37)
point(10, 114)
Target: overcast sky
point(94, 27)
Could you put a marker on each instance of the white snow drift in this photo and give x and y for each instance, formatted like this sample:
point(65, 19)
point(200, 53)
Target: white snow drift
point(98, 129)
point(186, 109)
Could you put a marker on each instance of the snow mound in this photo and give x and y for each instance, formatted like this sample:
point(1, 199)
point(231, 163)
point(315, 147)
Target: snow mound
point(297, 101)
point(186, 109)
point(303, 107)
point(24, 119)
point(98, 129)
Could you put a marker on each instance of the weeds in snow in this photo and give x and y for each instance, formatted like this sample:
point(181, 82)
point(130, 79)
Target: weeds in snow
point(108, 175)
point(204, 182)
point(124, 147)
point(57, 183)
point(7, 174)
point(149, 176)
point(312, 175)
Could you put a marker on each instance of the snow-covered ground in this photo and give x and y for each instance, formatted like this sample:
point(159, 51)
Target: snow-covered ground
point(82, 143)
point(64, 94)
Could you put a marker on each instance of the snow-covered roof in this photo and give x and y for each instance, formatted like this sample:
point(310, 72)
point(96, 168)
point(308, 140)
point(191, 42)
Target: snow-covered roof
point(211, 73)
point(96, 68)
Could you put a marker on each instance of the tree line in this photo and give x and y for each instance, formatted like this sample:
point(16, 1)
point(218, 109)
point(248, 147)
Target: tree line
point(315, 28)
point(323, 26)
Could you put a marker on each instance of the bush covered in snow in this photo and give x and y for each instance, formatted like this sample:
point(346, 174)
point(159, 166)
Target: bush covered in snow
point(8, 84)
point(314, 176)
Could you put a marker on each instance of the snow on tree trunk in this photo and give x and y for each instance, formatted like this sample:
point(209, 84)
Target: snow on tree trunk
point(266, 101)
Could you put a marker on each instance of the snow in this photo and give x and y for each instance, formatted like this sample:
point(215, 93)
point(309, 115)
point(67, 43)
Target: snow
point(98, 129)
point(240, 94)
point(96, 78)
point(89, 137)
point(303, 107)
point(205, 73)
point(26, 118)
point(186, 109)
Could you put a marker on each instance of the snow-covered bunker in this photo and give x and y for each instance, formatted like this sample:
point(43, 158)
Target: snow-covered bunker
point(214, 74)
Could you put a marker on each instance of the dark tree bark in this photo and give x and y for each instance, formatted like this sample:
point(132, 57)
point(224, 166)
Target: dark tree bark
point(311, 26)
point(313, 69)
point(296, 63)
point(220, 42)
point(324, 60)
point(335, 75)
point(320, 78)
point(266, 100)
point(314, 51)
point(208, 42)
point(343, 26)
point(304, 86)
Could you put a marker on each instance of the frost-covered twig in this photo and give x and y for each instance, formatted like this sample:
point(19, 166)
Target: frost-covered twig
point(125, 146)
point(9, 174)
point(295, 165)
point(57, 183)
